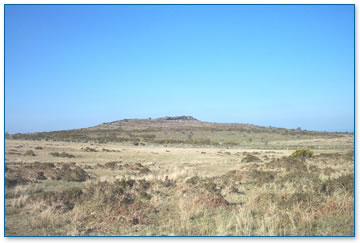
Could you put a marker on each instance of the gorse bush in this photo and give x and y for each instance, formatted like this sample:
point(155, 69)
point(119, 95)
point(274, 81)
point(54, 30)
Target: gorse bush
point(304, 153)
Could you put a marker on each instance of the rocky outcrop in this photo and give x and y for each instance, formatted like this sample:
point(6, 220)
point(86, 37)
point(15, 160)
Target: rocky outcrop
point(178, 118)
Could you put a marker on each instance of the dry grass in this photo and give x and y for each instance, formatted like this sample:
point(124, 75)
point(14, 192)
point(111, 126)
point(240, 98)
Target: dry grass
point(158, 190)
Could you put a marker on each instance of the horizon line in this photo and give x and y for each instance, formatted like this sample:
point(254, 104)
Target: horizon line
point(194, 119)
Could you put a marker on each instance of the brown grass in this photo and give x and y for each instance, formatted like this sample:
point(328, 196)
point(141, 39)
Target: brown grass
point(117, 189)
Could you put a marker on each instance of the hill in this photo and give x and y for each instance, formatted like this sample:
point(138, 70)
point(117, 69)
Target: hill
point(189, 131)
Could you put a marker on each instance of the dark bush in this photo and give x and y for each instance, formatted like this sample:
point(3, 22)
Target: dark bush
point(250, 158)
point(113, 165)
point(262, 177)
point(343, 183)
point(30, 153)
point(193, 180)
point(71, 174)
point(11, 182)
point(88, 149)
point(145, 195)
point(62, 155)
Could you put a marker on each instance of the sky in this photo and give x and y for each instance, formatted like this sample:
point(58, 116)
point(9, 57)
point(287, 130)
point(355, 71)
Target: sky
point(76, 66)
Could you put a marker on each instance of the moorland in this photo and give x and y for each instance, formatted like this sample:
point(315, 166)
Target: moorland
point(178, 176)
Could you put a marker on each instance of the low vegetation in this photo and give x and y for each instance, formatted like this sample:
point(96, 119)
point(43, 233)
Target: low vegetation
point(281, 197)
point(62, 155)
point(171, 177)
point(190, 133)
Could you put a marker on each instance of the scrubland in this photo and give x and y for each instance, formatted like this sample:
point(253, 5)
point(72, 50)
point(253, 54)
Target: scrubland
point(94, 188)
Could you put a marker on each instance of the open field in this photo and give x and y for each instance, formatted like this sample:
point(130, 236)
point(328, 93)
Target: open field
point(80, 185)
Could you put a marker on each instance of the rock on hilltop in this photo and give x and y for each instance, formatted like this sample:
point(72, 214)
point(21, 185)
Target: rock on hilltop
point(178, 118)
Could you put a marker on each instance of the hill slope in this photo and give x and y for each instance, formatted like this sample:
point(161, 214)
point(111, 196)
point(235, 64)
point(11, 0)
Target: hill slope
point(186, 130)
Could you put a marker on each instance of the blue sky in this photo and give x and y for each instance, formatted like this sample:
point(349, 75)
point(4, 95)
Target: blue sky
point(77, 66)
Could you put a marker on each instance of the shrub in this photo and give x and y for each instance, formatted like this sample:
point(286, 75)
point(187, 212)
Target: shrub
point(145, 195)
point(76, 174)
point(13, 181)
point(344, 183)
point(193, 180)
point(30, 153)
point(304, 153)
point(262, 177)
point(63, 200)
point(293, 164)
point(41, 166)
point(88, 149)
point(250, 158)
point(301, 179)
point(113, 165)
point(63, 155)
